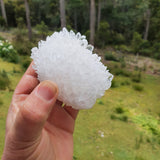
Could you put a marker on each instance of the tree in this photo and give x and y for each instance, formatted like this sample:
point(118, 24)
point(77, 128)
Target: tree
point(148, 14)
point(62, 13)
point(4, 12)
point(92, 21)
point(99, 13)
point(28, 19)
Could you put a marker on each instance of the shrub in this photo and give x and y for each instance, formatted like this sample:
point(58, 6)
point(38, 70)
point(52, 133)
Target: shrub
point(75, 158)
point(124, 118)
point(123, 63)
point(25, 63)
point(15, 71)
point(136, 42)
point(99, 101)
point(126, 73)
point(20, 22)
point(119, 110)
point(110, 56)
point(7, 52)
point(114, 84)
point(4, 80)
point(42, 30)
point(136, 77)
point(113, 116)
point(103, 35)
point(138, 87)
point(146, 52)
point(125, 83)
point(21, 43)
point(118, 38)
point(124, 48)
point(157, 56)
point(2, 21)
point(123, 72)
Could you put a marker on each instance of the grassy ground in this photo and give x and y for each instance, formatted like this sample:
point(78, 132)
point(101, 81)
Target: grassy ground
point(5, 95)
point(123, 125)
point(121, 116)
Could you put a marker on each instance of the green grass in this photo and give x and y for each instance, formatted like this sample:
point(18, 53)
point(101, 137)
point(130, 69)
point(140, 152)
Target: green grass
point(121, 139)
point(6, 95)
point(132, 135)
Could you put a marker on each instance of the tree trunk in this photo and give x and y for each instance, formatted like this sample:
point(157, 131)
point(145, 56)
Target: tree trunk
point(114, 3)
point(28, 20)
point(62, 13)
point(4, 12)
point(148, 14)
point(92, 21)
point(99, 13)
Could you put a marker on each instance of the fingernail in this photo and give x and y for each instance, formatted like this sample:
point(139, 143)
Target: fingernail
point(46, 90)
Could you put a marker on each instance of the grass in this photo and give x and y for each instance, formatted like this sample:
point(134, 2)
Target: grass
point(131, 134)
point(6, 95)
point(127, 141)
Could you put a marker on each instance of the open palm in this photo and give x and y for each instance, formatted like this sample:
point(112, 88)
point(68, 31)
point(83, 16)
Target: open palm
point(37, 126)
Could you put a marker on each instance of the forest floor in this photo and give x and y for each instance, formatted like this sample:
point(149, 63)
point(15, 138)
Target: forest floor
point(123, 125)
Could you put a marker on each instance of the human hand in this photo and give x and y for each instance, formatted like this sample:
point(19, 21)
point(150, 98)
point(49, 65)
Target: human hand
point(37, 126)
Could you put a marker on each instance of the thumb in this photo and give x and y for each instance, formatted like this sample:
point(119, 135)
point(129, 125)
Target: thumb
point(35, 111)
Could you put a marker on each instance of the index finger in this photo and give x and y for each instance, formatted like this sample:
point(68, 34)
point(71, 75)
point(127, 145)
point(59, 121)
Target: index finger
point(28, 82)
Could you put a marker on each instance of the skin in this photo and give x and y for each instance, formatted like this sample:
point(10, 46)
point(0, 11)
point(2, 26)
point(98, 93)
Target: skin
point(37, 125)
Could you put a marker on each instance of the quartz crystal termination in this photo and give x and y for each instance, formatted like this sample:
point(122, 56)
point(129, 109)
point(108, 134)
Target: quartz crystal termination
point(68, 60)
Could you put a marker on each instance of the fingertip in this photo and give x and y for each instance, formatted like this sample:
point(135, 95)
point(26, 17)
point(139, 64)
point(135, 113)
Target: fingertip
point(47, 90)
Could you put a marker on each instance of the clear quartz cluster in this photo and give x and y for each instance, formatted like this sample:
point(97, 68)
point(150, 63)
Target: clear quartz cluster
point(66, 59)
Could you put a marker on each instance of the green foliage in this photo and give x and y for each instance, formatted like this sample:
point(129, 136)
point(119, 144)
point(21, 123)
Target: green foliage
point(156, 50)
point(136, 77)
point(149, 123)
point(123, 48)
point(120, 114)
point(7, 52)
point(138, 87)
point(2, 21)
point(4, 80)
point(42, 30)
point(99, 101)
point(125, 83)
point(119, 110)
point(114, 84)
point(136, 42)
point(25, 63)
point(123, 63)
point(146, 52)
point(119, 136)
point(20, 22)
point(21, 43)
point(19, 10)
point(75, 158)
point(123, 118)
point(110, 56)
point(118, 38)
point(103, 35)
point(120, 71)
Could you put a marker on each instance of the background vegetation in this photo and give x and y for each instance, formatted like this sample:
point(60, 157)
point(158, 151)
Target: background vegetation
point(125, 123)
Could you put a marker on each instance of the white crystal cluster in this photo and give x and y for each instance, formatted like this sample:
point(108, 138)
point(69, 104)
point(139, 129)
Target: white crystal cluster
point(66, 59)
